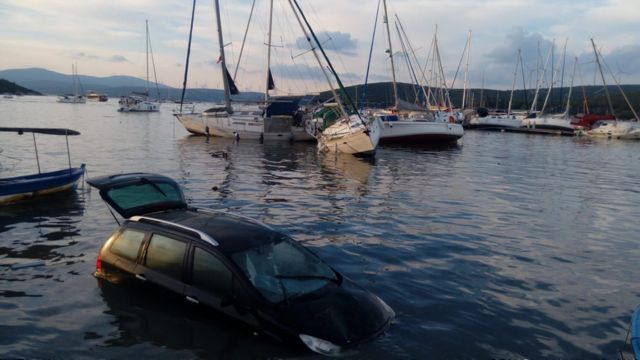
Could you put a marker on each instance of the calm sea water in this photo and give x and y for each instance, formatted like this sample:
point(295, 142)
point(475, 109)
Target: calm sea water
point(506, 246)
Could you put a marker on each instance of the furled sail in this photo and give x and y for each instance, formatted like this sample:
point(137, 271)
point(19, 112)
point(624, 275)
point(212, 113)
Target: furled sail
point(271, 84)
point(233, 89)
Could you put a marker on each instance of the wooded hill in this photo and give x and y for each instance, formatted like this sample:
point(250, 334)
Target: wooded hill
point(8, 87)
point(381, 95)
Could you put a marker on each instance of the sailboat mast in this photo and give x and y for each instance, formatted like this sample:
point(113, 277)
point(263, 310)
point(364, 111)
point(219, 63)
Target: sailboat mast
point(146, 32)
point(513, 86)
point(225, 80)
point(575, 65)
point(315, 54)
point(553, 72)
point(604, 83)
point(466, 70)
point(390, 51)
point(534, 104)
point(268, 83)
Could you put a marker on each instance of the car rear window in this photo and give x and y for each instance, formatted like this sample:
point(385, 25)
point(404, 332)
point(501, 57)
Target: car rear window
point(128, 244)
point(166, 255)
point(128, 197)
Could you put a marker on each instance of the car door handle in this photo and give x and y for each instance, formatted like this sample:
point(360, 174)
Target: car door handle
point(193, 300)
point(141, 277)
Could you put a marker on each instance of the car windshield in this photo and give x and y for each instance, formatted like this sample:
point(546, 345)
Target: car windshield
point(282, 269)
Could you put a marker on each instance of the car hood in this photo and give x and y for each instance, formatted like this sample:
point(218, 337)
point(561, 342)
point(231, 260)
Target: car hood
point(344, 315)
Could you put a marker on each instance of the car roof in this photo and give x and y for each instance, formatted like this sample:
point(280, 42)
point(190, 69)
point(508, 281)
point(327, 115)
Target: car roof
point(231, 232)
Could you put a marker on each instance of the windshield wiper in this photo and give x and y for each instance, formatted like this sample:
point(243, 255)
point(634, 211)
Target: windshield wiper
point(154, 185)
point(307, 277)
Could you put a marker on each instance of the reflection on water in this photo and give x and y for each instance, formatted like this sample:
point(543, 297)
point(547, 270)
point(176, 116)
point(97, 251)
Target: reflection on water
point(165, 321)
point(509, 246)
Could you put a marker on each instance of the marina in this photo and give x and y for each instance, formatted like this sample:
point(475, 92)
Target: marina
point(502, 245)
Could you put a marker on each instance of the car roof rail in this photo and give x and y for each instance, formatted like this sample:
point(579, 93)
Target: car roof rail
point(250, 219)
point(202, 235)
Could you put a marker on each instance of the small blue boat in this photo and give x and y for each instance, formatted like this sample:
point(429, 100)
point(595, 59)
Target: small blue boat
point(635, 333)
point(24, 187)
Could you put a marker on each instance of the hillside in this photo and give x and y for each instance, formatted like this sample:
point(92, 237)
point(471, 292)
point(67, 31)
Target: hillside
point(8, 87)
point(381, 95)
point(54, 83)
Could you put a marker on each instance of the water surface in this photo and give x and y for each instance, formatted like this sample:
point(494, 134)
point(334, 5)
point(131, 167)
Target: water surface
point(506, 246)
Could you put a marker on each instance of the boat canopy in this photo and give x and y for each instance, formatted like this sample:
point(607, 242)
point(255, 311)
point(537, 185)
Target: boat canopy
point(48, 131)
point(139, 193)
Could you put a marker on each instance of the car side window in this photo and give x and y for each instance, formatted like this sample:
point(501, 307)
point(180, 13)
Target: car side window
point(210, 274)
point(127, 245)
point(165, 255)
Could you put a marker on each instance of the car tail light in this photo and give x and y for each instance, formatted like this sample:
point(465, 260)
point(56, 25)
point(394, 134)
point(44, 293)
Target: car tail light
point(99, 262)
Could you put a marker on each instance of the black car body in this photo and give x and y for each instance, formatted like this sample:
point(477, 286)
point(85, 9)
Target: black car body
point(234, 264)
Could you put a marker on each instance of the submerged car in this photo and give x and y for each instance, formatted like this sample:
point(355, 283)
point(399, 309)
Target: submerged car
point(233, 264)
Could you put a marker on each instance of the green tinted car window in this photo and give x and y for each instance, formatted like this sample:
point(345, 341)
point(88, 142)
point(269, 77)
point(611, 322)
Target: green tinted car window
point(128, 244)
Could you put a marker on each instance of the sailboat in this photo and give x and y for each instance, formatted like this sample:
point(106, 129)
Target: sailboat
point(348, 131)
point(256, 121)
point(542, 120)
point(74, 98)
point(614, 129)
point(136, 101)
point(510, 120)
point(406, 122)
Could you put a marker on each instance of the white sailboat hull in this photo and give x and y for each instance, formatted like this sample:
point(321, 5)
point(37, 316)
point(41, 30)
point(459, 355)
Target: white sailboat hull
point(240, 126)
point(616, 130)
point(496, 122)
point(549, 123)
point(351, 137)
point(423, 132)
point(135, 104)
point(72, 99)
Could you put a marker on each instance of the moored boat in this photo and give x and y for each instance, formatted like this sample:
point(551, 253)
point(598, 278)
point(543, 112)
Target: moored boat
point(18, 188)
point(94, 96)
point(74, 98)
point(140, 101)
point(273, 119)
point(413, 123)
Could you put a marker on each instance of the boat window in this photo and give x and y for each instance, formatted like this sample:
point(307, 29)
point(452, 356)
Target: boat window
point(282, 269)
point(210, 274)
point(165, 255)
point(128, 244)
point(128, 197)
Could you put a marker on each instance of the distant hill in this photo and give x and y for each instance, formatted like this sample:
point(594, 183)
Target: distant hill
point(54, 83)
point(381, 95)
point(8, 87)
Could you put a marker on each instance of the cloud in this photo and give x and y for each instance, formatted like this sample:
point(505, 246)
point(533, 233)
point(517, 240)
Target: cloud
point(336, 41)
point(622, 62)
point(112, 59)
point(118, 59)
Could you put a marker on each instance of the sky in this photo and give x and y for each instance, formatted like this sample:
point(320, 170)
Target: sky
point(107, 38)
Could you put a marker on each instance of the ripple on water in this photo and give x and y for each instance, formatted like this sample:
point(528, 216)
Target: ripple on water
point(509, 246)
